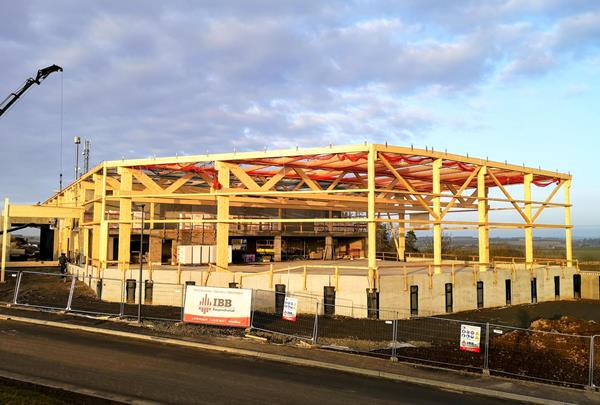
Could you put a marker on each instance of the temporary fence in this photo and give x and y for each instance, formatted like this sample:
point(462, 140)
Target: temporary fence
point(359, 334)
point(44, 290)
point(268, 314)
point(437, 341)
point(544, 356)
point(526, 353)
point(7, 289)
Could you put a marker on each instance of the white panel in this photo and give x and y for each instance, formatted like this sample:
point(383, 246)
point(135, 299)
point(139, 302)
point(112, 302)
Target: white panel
point(197, 254)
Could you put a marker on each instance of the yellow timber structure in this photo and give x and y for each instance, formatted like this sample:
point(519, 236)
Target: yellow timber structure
point(401, 187)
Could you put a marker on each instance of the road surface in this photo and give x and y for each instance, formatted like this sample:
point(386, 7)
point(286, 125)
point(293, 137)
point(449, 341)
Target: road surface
point(168, 374)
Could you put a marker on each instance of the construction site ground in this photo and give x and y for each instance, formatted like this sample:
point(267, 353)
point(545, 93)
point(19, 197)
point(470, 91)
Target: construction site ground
point(537, 393)
point(335, 331)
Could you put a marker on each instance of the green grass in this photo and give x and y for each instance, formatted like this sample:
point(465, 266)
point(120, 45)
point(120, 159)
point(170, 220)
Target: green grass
point(23, 396)
point(14, 392)
point(586, 253)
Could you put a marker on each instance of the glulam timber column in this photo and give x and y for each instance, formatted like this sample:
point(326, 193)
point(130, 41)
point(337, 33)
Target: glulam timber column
point(103, 250)
point(400, 239)
point(371, 225)
point(222, 215)
point(483, 214)
point(125, 188)
point(437, 225)
point(568, 225)
point(5, 226)
point(527, 180)
point(97, 217)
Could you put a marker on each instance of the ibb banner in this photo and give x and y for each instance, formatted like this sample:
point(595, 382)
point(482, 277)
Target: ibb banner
point(217, 306)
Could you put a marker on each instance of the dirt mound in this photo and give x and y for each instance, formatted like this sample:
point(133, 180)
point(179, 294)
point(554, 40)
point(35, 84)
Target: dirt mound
point(567, 324)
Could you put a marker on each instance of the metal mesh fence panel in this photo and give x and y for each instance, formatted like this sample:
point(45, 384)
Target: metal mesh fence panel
point(94, 295)
point(160, 301)
point(437, 341)
point(268, 316)
point(526, 353)
point(44, 290)
point(359, 333)
point(7, 289)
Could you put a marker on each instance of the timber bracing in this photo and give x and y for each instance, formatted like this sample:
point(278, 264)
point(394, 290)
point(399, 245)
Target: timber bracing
point(405, 188)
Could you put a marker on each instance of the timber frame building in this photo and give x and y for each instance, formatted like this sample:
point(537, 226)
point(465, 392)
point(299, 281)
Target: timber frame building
point(327, 188)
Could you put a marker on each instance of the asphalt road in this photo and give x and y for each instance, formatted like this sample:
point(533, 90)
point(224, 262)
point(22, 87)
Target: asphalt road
point(168, 374)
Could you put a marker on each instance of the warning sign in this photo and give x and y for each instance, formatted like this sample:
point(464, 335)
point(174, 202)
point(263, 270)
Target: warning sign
point(470, 337)
point(290, 308)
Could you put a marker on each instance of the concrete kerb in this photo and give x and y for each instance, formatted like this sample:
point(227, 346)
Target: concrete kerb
point(294, 360)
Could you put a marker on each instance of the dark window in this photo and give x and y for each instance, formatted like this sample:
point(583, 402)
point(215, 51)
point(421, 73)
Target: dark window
point(534, 290)
point(449, 297)
point(480, 294)
point(556, 287)
point(577, 285)
point(414, 300)
point(508, 285)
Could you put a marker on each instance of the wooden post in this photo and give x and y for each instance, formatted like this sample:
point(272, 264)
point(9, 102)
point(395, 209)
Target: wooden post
point(568, 224)
point(482, 210)
point(103, 241)
point(222, 215)
point(437, 226)
point(527, 180)
point(305, 275)
point(97, 217)
point(371, 225)
point(125, 215)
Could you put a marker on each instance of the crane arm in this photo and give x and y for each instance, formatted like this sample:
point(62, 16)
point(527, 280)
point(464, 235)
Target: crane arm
point(12, 98)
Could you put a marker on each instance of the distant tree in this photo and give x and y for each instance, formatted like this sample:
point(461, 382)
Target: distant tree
point(447, 245)
point(410, 242)
point(385, 242)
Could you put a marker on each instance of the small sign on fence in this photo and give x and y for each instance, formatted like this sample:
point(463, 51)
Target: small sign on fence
point(470, 337)
point(290, 309)
point(217, 306)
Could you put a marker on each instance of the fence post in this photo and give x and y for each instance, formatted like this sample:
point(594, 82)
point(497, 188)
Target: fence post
point(122, 303)
point(304, 276)
point(70, 300)
point(183, 295)
point(316, 325)
point(17, 286)
point(252, 308)
point(591, 365)
point(394, 337)
point(486, 359)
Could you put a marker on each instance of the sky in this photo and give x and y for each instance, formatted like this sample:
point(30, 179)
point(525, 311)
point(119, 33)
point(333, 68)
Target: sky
point(503, 79)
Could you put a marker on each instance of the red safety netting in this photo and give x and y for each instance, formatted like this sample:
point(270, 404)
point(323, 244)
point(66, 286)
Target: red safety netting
point(177, 167)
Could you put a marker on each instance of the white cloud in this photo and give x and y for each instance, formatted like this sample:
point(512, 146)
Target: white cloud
point(177, 76)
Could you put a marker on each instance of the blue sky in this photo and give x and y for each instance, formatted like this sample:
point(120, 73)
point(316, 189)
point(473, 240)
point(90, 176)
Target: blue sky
point(508, 80)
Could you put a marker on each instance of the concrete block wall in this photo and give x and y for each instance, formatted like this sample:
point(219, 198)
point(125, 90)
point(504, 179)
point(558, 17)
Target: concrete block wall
point(351, 293)
point(431, 300)
point(590, 285)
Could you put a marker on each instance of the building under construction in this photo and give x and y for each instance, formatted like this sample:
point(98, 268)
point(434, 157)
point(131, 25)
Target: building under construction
point(328, 204)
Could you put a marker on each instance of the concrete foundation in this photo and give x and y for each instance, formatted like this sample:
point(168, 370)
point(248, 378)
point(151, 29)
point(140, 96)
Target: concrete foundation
point(452, 291)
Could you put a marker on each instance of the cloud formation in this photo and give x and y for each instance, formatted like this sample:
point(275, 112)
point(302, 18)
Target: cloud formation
point(164, 78)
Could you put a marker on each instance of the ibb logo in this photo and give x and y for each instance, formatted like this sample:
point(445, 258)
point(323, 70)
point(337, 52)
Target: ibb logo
point(206, 304)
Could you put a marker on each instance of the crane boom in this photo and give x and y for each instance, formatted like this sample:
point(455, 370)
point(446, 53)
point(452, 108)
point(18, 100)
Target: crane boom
point(39, 78)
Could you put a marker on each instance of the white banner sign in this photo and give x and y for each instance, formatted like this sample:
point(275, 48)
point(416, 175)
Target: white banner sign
point(469, 338)
point(217, 306)
point(290, 308)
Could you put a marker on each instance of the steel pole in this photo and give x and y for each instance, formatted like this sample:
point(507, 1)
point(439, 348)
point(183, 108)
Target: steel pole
point(141, 268)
